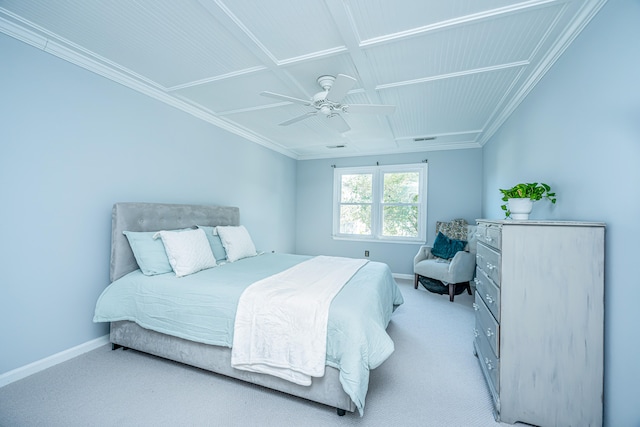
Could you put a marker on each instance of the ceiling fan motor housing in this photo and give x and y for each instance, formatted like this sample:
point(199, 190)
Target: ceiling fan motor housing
point(323, 105)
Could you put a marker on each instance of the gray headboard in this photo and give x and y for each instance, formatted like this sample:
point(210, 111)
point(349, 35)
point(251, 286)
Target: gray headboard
point(155, 217)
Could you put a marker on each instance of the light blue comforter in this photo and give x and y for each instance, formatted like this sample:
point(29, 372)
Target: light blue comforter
point(202, 307)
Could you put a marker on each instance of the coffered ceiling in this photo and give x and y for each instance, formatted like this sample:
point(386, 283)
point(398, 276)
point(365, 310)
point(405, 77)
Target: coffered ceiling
point(453, 69)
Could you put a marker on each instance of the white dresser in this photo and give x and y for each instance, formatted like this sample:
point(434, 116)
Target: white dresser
point(540, 320)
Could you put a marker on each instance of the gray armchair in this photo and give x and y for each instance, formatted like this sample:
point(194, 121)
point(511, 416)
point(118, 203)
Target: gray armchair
point(458, 270)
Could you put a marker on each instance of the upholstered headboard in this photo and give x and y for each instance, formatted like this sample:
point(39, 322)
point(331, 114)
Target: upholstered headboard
point(155, 217)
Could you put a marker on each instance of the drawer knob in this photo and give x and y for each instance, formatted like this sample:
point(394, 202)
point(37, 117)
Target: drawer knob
point(489, 299)
point(488, 363)
point(476, 281)
point(489, 333)
point(476, 333)
point(476, 307)
point(490, 266)
point(488, 238)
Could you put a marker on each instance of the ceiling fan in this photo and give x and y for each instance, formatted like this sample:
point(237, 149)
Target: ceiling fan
point(328, 102)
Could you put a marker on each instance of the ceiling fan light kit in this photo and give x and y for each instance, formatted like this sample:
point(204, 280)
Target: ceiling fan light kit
point(328, 102)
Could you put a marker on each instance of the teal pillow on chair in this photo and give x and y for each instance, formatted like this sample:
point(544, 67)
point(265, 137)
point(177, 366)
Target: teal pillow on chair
point(445, 247)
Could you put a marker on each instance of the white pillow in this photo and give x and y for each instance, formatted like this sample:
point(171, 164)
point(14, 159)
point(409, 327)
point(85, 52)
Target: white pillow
point(236, 242)
point(188, 251)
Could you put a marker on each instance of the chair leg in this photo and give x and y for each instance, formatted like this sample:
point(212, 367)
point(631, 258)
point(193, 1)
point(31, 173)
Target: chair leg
point(469, 288)
point(452, 289)
point(415, 281)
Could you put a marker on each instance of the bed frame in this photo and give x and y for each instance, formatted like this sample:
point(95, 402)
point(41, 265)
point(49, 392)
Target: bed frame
point(157, 216)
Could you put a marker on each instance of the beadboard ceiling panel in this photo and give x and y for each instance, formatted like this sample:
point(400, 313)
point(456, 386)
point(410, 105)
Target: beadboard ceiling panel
point(304, 73)
point(380, 19)
point(479, 45)
point(233, 93)
point(276, 23)
point(152, 39)
point(454, 70)
point(442, 106)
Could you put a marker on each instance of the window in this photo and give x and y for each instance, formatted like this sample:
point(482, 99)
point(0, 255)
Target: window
point(381, 203)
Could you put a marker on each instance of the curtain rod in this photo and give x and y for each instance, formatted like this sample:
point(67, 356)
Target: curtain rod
point(378, 163)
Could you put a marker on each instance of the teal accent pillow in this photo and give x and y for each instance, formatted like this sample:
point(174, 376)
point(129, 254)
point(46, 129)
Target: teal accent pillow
point(149, 252)
point(214, 241)
point(445, 247)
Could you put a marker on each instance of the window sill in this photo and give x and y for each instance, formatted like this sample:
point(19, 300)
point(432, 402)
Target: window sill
point(374, 240)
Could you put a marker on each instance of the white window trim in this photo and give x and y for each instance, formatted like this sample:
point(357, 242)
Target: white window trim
point(376, 226)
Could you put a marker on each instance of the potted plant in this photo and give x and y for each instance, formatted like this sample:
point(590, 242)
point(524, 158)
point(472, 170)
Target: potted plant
point(520, 198)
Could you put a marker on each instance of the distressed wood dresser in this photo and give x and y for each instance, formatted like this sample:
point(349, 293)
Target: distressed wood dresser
point(540, 320)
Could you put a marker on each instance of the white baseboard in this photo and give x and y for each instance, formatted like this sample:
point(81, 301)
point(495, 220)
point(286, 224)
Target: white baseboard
point(47, 362)
point(402, 276)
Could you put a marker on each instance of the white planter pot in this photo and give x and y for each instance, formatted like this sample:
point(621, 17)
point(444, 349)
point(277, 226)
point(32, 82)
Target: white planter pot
point(520, 208)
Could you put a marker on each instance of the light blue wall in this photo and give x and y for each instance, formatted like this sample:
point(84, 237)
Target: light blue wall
point(454, 191)
point(579, 130)
point(71, 144)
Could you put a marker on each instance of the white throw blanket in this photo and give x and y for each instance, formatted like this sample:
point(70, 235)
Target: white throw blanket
point(281, 321)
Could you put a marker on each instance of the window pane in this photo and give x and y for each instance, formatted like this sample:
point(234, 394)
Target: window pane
point(386, 203)
point(401, 221)
point(402, 187)
point(355, 219)
point(356, 188)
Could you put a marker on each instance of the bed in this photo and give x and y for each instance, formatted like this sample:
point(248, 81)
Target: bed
point(124, 301)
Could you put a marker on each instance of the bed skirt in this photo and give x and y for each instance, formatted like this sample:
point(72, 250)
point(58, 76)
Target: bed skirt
point(326, 390)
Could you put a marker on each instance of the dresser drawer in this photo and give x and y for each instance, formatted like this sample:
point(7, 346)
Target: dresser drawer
point(487, 325)
point(489, 234)
point(489, 292)
point(488, 260)
point(489, 362)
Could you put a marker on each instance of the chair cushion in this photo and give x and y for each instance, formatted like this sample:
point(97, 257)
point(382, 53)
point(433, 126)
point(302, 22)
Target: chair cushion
point(455, 229)
point(445, 247)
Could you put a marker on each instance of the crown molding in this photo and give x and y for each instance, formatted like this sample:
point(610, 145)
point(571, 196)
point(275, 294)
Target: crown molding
point(18, 32)
point(422, 149)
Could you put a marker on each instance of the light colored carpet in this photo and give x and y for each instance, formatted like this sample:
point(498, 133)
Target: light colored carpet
point(432, 379)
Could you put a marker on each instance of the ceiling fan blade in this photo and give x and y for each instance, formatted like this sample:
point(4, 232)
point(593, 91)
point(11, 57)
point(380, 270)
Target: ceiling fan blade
point(297, 119)
point(338, 123)
point(285, 98)
point(340, 87)
point(370, 109)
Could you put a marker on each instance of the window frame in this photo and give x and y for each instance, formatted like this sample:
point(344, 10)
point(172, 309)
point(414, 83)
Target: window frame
point(377, 203)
